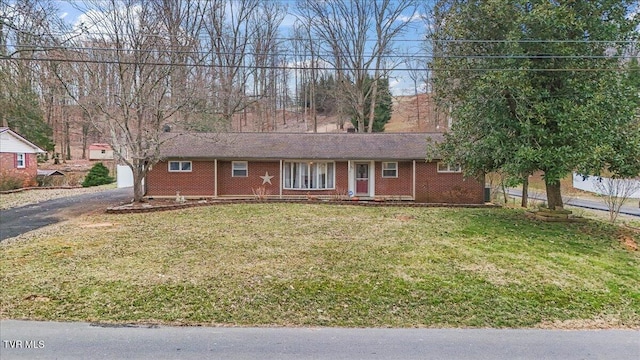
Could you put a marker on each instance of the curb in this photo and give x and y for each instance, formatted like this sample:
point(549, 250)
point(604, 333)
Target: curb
point(40, 188)
point(124, 209)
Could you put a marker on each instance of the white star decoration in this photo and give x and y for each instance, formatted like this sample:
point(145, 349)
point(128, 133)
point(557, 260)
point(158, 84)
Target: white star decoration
point(266, 179)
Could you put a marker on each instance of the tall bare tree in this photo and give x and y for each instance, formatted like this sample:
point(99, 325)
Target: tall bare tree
point(354, 37)
point(228, 27)
point(26, 30)
point(417, 72)
point(129, 74)
point(265, 59)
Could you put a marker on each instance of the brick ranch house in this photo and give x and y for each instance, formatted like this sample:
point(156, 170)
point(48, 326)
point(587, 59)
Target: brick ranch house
point(322, 165)
point(18, 157)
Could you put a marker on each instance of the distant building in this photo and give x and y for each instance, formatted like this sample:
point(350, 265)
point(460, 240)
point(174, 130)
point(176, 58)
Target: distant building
point(18, 157)
point(100, 152)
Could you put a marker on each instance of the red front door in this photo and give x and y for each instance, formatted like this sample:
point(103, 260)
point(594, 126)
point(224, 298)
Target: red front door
point(362, 179)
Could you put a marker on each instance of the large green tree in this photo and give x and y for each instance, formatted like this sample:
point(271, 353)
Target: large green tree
point(537, 85)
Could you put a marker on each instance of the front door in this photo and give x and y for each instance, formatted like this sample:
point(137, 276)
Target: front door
point(362, 179)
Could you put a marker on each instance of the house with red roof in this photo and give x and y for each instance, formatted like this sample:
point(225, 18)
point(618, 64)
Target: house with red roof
point(99, 151)
point(375, 166)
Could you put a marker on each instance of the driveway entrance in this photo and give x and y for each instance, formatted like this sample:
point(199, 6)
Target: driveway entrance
point(16, 221)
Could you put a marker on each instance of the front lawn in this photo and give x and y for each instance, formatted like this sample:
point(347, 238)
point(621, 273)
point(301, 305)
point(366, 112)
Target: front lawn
point(318, 265)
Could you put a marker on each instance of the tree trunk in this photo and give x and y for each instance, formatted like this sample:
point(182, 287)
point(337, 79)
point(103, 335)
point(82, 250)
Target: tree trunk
point(138, 188)
point(525, 192)
point(85, 136)
point(67, 139)
point(372, 107)
point(554, 195)
point(505, 194)
point(415, 91)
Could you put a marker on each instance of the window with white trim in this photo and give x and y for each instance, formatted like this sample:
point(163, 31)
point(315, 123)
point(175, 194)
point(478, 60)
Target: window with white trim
point(239, 169)
point(179, 166)
point(309, 175)
point(389, 169)
point(21, 162)
point(449, 168)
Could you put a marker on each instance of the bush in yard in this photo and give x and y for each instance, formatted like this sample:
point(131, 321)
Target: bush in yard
point(10, 182)
point(98, 175)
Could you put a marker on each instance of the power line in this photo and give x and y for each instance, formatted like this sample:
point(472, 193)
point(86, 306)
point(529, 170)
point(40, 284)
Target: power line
point(526, 41)
point(417, 40)
point(328, 54)
point(297, 67)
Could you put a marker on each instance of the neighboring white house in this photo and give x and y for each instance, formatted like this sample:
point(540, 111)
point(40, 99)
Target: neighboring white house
point(100, 152)
point(589, 184)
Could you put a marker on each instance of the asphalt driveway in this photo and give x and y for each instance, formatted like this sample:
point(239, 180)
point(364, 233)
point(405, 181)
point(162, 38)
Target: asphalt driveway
point(19, 220)
point(583, 203)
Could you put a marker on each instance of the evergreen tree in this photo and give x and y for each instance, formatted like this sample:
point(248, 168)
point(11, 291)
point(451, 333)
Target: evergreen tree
point(384, 105)
point(23, 115)
point(98, 175)
point(325, 95)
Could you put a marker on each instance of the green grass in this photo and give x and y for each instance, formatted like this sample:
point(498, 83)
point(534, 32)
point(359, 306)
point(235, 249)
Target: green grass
point(318, 265)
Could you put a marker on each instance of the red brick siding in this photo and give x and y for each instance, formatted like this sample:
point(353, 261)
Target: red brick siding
point(28, 174)
point(435, 187)
point(402, 185)
point(199, 182)
point(431, 186)
point(229, 185)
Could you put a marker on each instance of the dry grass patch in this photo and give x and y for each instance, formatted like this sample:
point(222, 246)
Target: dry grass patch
point(35, 196)
point(317, 265)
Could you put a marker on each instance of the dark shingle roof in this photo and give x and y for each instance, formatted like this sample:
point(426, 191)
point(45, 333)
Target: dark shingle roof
point(329, 146)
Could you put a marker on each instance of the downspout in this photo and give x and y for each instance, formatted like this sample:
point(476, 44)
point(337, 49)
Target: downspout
point(350, 179)
point(281, 177)
point(372, 179)
point(413, 190)
point(215, 178)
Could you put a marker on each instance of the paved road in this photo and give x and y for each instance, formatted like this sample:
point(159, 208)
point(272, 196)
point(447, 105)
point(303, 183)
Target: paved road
point(50, 340)
point(19, 220)
point(587, 204)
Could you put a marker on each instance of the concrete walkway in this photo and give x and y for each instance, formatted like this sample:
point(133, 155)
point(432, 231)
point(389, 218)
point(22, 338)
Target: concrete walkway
point(51, 340)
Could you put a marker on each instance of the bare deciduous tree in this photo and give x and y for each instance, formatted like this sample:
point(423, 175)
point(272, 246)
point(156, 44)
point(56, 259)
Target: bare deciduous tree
point(264, 46)
point(354, 36)
point(26, 31)
point(615, 192)
point(129, 73)
point(228, 26)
